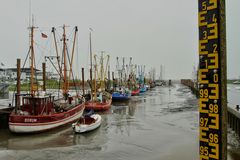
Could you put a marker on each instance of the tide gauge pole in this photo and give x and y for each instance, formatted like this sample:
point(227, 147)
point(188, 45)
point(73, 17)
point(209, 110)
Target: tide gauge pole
point(212, 80)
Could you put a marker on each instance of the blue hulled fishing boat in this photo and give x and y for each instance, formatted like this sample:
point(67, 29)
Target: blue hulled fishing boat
point(120, 96)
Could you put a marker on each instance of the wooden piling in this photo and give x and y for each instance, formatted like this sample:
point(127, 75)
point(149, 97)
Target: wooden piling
point(223, 77)
point(17, 98)
point(44, 76)
point(83, 88)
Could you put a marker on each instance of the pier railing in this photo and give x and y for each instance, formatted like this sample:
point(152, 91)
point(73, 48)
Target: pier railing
point(234, 119)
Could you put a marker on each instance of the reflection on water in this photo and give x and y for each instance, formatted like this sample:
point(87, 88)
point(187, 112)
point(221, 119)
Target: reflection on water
point(38, 141)
point(125, 108)
point(124, 116)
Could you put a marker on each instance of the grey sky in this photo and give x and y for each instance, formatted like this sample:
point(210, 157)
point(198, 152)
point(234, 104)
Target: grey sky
point(153, 32)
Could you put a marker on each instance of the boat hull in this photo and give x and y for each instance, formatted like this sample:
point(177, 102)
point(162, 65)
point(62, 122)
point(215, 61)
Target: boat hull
point(81, 128)
point(143, 89)
point(40, 123)
point(120, 97)
point(135, 92)
point(98, 106)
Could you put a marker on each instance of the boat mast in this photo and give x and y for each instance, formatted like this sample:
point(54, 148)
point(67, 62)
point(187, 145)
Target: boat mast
point(73, 48)
point(90, 50)
point(101, 71)
point(119, 72)
point(32, 58)
point(95, 82)
point(56, 48)
point(107, 68)
point(124, 72)
point(65, 85)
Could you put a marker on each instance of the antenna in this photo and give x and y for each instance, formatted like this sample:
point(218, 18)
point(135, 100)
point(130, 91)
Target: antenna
point(29, 20)
point(30, 12)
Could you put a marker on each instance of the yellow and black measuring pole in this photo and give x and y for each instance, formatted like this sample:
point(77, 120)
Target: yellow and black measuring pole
point(212, 80)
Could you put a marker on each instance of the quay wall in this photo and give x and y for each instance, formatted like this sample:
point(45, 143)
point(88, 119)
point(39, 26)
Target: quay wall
point(193, 86)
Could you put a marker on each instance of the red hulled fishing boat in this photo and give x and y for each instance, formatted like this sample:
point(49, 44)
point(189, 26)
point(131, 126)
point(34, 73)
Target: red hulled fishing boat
point(100, 100)
point(38, 111)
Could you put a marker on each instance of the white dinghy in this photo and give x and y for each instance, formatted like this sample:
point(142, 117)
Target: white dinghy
point(87, 123)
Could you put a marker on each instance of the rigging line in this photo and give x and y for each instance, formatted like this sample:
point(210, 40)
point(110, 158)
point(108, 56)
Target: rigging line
point(74, 83)
point(35, 72)
point(70, 34)
point(59, 85)
point(53, 65)
point(58, 37)
point(36, 77)
point(25, 61)
point(68, 56)
point(60, 77)
point(41, 55)
point(41, 47)
point(70, 40)
point(77, 64)
point(61, 65)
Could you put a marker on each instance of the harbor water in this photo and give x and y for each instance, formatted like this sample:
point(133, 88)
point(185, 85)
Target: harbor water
point(161, 124)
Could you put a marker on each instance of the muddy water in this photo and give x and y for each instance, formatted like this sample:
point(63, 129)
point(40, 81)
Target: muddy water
point(160, 124)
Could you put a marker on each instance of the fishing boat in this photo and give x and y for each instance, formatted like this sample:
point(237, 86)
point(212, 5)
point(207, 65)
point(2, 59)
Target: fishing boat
point(87, 123)
point(38, 111)
point(117, 96)
point(143, 89)
point(135, 92)
point(100, 100)
point(141, 79)
point(133, 84)
point(147, 86)
point(121, 91)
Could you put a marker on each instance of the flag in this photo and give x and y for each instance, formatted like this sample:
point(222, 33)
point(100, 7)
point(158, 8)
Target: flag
point(44, 35)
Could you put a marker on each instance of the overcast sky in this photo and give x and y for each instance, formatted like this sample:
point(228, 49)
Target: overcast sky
point(153, 32)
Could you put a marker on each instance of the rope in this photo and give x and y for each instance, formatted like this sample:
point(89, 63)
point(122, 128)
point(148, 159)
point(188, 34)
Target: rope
point(71, 71)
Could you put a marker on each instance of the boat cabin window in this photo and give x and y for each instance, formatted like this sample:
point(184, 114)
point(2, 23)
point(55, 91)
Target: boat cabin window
point(37, 101)
point(26, 101)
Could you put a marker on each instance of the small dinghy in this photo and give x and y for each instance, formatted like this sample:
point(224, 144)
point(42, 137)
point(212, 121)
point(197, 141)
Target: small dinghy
point(88, 122)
